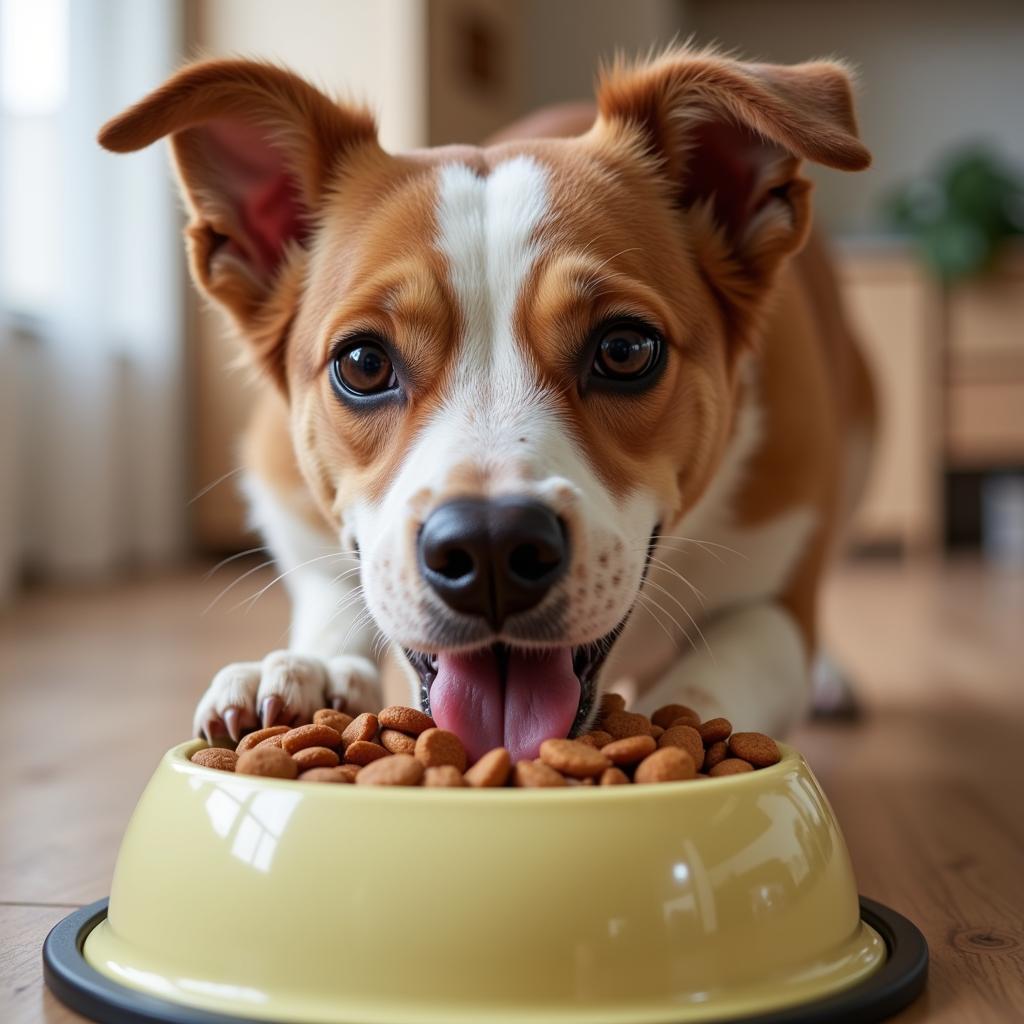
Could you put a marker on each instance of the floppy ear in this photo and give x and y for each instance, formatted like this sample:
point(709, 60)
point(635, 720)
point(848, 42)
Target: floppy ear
point(730, 137)
point(255, 148)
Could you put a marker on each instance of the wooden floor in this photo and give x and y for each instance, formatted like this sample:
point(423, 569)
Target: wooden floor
point(929, 787)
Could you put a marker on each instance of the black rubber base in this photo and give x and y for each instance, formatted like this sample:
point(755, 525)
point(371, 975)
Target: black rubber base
point(83, 989)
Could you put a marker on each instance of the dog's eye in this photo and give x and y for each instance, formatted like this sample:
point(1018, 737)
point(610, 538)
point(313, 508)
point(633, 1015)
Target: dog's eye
point(363, 368)
point(626, 352)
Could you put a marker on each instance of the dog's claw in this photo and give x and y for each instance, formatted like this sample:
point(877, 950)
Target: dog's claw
point(339, 703)
point(271, 710)
point(233, 724)
point(212, 727)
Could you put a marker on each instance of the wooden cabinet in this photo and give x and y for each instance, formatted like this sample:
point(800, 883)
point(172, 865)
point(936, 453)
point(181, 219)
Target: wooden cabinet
point(949, 372)
point(892, 308)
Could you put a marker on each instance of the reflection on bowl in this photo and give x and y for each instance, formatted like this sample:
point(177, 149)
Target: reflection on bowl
point(310, 902)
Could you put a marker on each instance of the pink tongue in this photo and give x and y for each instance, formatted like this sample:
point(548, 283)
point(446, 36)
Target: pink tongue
point(538, 701)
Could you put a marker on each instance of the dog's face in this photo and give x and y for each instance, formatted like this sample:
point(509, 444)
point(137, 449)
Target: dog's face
point(508, 367)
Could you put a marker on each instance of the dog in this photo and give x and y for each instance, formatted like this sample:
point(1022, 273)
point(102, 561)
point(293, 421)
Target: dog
point(541, 415)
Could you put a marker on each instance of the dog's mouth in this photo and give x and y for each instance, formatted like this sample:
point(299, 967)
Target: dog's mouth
point(516, 697)
point(512, 697)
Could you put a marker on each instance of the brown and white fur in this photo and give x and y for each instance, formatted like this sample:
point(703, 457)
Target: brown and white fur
point(485, 269)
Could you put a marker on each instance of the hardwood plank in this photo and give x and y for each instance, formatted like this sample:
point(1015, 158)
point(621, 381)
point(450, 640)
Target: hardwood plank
point(23, 997)
point(100, 683)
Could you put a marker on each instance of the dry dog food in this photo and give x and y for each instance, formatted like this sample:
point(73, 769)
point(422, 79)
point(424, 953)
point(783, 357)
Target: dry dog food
point(403, 747)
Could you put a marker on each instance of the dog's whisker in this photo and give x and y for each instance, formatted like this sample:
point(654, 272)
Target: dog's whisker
point(380, 645)
point(363, 620)
point(233, 558)
point(682, 629)
point(216, 483)
point(345, 575)
point(703, 544)
point(642, 604)
point(685, 611)
point(343, 606)
point(251, 601)
point(234, 583)
point(350, 599)
point(660, 565)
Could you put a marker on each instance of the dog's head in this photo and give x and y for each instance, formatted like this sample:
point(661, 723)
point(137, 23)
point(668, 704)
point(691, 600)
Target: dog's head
point(507, 367)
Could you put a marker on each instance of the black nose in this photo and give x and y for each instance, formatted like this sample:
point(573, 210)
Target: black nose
point(492, 558)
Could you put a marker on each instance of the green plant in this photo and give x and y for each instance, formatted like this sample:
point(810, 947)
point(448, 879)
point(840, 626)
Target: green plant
point(961, 214)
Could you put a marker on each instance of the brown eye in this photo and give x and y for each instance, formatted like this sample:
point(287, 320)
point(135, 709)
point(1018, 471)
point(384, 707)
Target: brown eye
point(364, 368)
point(626, 352)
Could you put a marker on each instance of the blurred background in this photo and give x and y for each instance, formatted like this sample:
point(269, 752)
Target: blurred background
point(119, 407)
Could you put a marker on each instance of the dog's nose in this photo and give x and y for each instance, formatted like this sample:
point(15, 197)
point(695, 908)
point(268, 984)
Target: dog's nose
point(492, 558)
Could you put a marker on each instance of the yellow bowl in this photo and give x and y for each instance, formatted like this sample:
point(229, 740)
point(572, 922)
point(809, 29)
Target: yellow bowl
point(290, 901)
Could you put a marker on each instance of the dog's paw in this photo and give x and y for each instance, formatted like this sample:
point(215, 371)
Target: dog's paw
point(283, 688)
point(353, 684)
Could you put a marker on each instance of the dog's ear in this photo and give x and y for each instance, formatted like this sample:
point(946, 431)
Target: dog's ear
point(255, 148)
point(730, 137)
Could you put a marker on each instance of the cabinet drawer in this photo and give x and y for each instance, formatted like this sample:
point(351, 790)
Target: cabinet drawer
point(985, 422)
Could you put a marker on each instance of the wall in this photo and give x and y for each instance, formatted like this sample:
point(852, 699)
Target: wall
point(932, 73)
point(491, 61)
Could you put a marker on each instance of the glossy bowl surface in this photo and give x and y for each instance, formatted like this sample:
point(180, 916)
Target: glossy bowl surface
point(333, 903)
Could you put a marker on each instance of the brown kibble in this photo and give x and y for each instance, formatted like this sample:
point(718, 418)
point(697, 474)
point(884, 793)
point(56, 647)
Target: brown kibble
point(316, 757)
point(610, 703)
point(443, 776)
point(731, 766)
point(596, 738)
point(336, 774)
point(715, 754)
point(310, 736)
point(570, 757)
point(668, 715)
point(536, 775)
point(656, 731)
point(631, 750)
point(362, 728)
point(222, 759)
point(396, 742)
point(667, 764)
point(350, 771)
point(250, 740)
point(620, 724)
point(272, 741)
point(686, 737)
point(614, 777)
point(408, 720)
point(491, 770)
point(760, 750)
point(363, 752)
point(691, 720)
point(398, 770)
point(336, 720)
point(271, 762)
point(714, 730)
point(435, 747)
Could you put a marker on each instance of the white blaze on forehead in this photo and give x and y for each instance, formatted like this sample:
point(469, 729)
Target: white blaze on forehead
point(498, 417)
point(487, 232)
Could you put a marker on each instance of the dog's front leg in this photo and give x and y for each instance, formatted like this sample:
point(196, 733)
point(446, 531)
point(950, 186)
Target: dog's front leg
point(330, 659)
point(330, 622)
point(752, 669)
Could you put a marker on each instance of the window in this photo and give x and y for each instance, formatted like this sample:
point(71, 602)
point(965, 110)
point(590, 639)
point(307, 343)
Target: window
point(34, 64)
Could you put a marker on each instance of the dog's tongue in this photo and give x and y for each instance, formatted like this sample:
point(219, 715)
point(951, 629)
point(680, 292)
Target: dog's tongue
point(538, 700)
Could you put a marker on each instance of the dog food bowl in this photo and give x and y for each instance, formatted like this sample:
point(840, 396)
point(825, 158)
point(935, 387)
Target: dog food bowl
point(243, 898)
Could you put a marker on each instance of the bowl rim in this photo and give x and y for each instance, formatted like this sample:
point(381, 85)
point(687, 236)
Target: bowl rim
point(177, 758)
